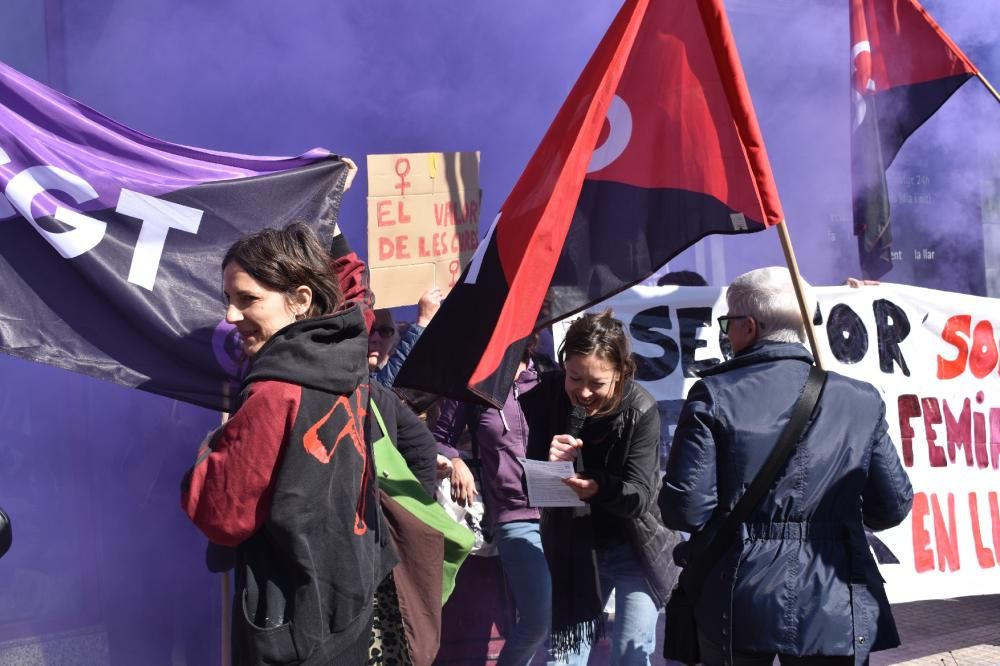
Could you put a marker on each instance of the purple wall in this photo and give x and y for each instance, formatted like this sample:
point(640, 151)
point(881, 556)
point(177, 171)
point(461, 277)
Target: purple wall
point(104, 561)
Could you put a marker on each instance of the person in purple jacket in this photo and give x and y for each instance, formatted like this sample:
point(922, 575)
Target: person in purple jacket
point(499, 438)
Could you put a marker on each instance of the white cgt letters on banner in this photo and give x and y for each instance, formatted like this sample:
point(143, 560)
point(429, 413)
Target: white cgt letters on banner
point(933, 355)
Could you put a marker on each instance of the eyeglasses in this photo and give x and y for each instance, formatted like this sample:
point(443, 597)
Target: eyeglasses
point(385, 332)
point(725, 319)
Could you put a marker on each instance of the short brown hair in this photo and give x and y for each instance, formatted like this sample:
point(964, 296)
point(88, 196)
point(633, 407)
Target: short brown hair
point(286, 259)
point(600, 334)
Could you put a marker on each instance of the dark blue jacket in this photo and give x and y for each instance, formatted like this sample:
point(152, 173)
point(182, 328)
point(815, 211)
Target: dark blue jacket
point(801, 580)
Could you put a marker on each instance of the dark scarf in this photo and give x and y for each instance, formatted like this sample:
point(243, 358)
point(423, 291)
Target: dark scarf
point(567, 532)
point(577, 606)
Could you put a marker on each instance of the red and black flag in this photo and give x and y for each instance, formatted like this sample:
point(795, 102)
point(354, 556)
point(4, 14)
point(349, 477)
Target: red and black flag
point(903, 68)
point(656, 146)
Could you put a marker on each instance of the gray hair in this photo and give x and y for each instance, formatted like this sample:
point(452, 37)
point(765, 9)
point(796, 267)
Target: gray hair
point(767, 295)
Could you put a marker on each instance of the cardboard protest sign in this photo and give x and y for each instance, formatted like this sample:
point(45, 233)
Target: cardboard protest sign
point(423, 222)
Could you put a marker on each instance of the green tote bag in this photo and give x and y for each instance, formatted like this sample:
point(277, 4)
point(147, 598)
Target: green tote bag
point(396, 479)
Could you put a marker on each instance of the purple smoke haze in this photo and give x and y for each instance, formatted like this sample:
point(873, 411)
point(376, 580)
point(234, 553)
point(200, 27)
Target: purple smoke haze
point(104, 560)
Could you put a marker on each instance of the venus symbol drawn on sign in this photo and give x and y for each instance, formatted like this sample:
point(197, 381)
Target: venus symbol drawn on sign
point(402, 170)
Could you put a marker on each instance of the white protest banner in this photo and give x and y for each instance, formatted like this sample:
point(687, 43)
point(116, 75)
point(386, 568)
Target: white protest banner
point(934, 358)
point(423, 222)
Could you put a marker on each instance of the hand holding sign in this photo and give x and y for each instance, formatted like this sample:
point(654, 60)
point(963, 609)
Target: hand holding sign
point(428, 305)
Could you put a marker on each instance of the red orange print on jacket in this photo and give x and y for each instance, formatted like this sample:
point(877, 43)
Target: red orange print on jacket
point(353, 429)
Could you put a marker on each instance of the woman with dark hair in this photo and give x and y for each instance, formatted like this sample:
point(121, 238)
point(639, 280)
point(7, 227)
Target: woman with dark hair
point(615, 542)
point(289, 480)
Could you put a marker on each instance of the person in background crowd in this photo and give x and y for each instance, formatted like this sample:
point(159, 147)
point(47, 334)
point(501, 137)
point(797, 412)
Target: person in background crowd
point(406, 429)
point(800, 582)
point(402, 614)
point(682, 279)
point(281, 505)
point(410, 435)
point(386, 349)
point(616, 541)
point(499, 438)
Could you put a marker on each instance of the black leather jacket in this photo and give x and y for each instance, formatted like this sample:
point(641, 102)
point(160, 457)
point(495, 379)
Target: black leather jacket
point(628, 480)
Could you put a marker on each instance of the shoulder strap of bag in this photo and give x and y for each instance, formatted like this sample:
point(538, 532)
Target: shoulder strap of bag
point(710, 553)
point(378, 416)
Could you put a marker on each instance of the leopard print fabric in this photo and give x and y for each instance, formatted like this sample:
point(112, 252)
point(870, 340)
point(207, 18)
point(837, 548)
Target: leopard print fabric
point(388, 642)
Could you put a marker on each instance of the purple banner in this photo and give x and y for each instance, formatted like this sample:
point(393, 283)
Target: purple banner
point(111, 241)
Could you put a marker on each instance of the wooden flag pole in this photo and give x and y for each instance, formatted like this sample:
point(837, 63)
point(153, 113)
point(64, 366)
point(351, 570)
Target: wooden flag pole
point(989, 87)
point(793, 269)
point(226, 619)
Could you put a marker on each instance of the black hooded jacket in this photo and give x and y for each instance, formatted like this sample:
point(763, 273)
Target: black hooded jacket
point(289, 480)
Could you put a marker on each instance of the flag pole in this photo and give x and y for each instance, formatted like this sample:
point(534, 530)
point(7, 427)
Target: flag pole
point(226, 607)
point(793, 269)
point(989, 87)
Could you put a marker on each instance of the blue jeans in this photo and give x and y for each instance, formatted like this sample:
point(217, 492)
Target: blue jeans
point(527, 574)
point(633, 638)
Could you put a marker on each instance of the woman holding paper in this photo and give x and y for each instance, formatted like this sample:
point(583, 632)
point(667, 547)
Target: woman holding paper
point(499, 438)
point(615, 542)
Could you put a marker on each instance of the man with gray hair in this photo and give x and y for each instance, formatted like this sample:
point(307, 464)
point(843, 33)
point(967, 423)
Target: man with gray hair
point(798, 581)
